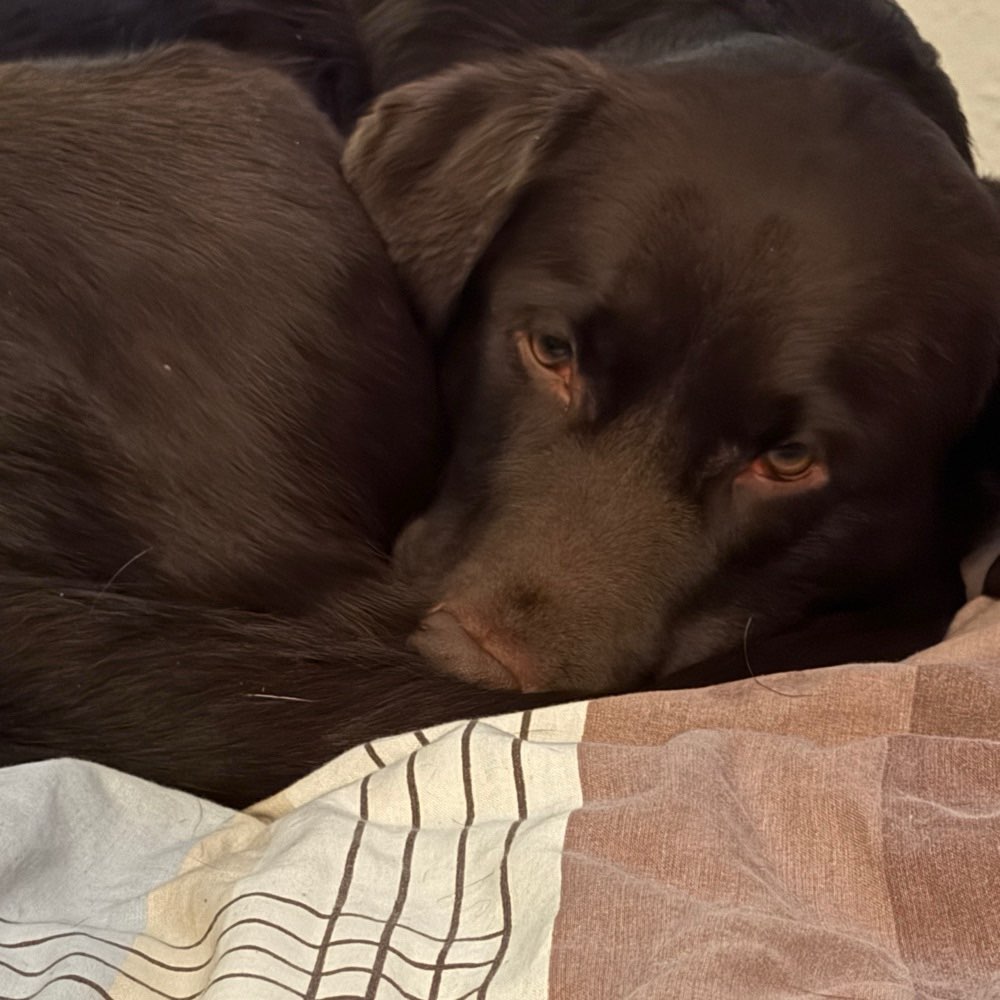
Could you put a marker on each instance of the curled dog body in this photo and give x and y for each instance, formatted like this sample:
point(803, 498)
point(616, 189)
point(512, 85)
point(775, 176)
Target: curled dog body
point(711, 307)
point(212, 387)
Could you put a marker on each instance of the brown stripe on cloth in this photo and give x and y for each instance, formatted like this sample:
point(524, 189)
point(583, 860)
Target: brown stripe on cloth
point(403, 888)
point(344, 888)
point(460, 861)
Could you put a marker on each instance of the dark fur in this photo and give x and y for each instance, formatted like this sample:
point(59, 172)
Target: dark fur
point(404, 41)
point(221, 704)
point(314, 40)
point(104, 668)
point(985, 456)
point(407, 39)
point(752, 243)
point(211, 385)
point(330, 44)
point(211, 393)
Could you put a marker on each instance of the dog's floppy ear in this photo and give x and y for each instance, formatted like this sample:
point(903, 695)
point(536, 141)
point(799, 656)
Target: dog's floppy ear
point(440, 164)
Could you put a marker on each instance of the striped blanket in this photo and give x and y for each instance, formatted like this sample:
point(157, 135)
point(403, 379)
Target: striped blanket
point(829, 833)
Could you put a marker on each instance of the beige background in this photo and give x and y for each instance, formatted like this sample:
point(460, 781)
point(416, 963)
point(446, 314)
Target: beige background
point(967, 34)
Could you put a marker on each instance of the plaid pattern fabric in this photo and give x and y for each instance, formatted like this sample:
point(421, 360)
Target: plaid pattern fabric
point(833, 833)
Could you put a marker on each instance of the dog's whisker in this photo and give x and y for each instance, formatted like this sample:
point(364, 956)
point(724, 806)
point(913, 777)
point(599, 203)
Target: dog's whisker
point(756, 679)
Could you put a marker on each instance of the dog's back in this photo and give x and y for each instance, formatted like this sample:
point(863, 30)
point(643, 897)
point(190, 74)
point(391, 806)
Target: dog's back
point(314, 40)
point(211, 395)
point(209, 382)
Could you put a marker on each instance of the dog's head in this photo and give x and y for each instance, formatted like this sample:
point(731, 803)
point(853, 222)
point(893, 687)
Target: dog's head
point(710, 336)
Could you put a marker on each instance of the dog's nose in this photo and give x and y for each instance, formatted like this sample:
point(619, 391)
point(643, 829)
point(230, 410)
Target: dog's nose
point(455, 641)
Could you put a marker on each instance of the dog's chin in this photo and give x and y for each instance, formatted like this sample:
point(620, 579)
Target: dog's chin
point(702, 637)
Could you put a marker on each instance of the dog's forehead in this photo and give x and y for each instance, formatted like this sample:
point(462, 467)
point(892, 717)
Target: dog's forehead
point(769, 280)
point(839, 154)
point(675, 261)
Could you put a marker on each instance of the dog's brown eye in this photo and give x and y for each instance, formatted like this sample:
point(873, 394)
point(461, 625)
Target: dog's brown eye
point(550, 362)
point(787, 469)
point(788, 461)
point(551, 351)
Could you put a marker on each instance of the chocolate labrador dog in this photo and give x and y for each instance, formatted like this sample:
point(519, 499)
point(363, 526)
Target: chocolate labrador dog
point(884, 613)
point(713, 333)
point(213, 397)
point(716, 322)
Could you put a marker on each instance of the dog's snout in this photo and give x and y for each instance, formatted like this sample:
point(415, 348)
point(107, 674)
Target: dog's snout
point(460, 642)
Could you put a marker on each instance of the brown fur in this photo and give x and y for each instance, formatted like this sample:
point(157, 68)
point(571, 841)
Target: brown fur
point(214, 397)
point(554, 193)
point(755, 244)
point(223, 704)
point(212, 385)
point(313, 40)
point(404, 40)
